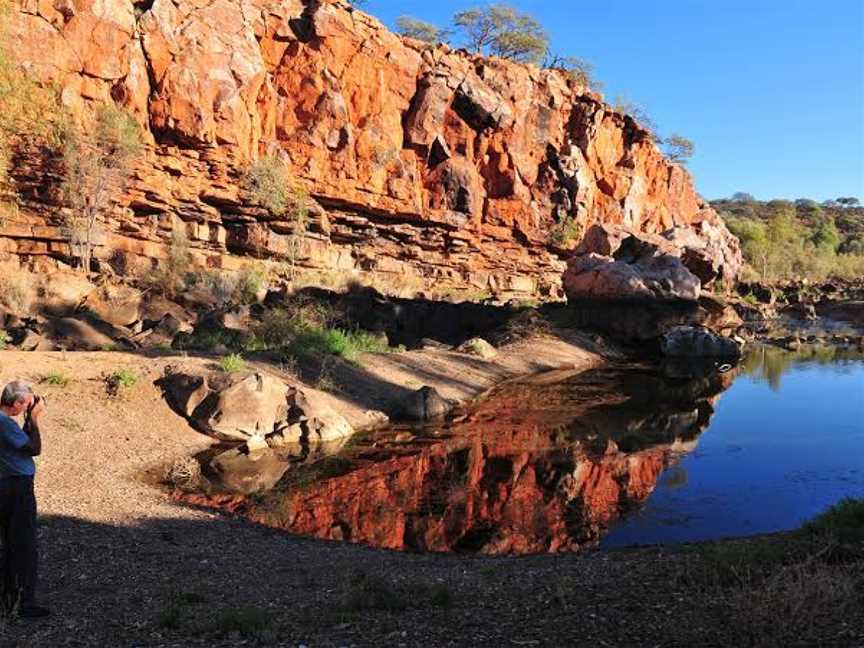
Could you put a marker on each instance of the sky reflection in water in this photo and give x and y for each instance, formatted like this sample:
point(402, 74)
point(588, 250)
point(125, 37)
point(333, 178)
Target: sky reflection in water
point(786, 441)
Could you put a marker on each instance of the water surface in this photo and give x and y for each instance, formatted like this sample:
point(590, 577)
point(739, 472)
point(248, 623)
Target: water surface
point(786, 441)
point(615, 456)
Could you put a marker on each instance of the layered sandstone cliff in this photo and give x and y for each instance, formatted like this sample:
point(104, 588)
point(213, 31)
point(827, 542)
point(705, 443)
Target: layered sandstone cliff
point(428, 166)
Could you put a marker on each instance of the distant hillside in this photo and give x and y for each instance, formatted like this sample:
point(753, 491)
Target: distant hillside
point(784, 239)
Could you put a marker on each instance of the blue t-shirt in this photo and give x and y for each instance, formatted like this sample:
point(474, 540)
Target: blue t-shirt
point(14, 460)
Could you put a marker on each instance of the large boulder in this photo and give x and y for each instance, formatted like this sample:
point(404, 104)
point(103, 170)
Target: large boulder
point(255, 408)
point(695, 342)
point(117, 305)
point(649, 275)
point(709, 250)
point(425, 404)
point(247, 407)
point(614, 262)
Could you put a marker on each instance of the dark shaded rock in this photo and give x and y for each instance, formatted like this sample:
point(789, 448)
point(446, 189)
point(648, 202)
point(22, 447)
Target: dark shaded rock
point(800, 311)
point(718, 315)
point(184, 392)
point(479, 106)
point(845, 311)
point(693, 342)
point(77, 334)
point(424, 404)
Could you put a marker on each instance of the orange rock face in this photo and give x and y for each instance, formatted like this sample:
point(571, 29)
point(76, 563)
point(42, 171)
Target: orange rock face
point(429, 164)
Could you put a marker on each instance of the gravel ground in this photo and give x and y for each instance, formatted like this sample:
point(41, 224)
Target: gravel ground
point(122, 565)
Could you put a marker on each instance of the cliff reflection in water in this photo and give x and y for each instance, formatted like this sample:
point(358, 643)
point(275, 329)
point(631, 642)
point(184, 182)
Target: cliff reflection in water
point(541, 465)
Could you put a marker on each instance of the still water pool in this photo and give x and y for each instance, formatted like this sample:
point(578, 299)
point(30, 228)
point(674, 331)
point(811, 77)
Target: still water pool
point(615, 456)
point(785, 442)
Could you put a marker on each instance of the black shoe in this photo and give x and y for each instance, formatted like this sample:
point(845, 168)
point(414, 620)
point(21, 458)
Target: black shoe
point(33, 612)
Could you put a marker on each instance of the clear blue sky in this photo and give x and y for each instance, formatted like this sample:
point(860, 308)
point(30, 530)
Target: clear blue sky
point(770, 91)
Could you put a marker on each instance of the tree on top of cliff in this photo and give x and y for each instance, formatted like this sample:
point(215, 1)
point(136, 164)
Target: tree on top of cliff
point(412, 27)
point(577, 69)
point(97, 164)
point(503, 31)
point(678, 148)
point(623, 105)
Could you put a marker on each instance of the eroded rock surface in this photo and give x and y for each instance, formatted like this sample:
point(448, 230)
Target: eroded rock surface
point(255, 408)
point(615, 262)
point(426, 166)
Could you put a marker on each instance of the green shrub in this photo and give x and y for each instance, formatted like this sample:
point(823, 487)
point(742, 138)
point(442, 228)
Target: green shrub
point(170, 617)
point(565, 231)
point(4, 339)
point(373, 592)
point(784, 241)
point(119, 381)
point(232, 363)
point(249, 283)
point(57, 378)
point(267, 182)
point(843, 521)
point(313, 340)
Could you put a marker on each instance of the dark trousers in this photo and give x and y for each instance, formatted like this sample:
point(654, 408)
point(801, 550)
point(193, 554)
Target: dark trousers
point(18, 534)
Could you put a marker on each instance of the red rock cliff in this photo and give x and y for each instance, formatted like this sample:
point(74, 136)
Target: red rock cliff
point(430, 166)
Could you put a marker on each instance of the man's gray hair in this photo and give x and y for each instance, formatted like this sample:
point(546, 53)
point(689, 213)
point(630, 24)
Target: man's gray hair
point(15, 391)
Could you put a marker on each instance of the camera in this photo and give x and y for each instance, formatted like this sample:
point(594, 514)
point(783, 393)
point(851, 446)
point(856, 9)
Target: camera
point(36, 400)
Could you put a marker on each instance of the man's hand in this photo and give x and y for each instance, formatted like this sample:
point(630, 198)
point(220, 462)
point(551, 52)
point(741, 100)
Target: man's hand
point(37, 408)
point(31, 425)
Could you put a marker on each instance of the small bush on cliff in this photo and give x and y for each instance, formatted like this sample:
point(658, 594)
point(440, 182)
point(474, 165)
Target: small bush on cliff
point(30, 114)
point(623, 105)
point(232, 363)
point(17, 290)
point(169, 277)
point(565, 231)
point(501, 30)
point(97, 164)
point(578, 70)
point(267, 182)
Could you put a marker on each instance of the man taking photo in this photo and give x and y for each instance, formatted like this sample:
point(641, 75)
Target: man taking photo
point(17, 500)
